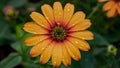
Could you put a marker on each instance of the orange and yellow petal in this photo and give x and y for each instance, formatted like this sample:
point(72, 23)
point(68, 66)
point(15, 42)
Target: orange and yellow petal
point(48, 12)
point(66, 58)
point(68, 13)
point(35, 39)
point(81, 44)
point(40, 19)
point(85, 35)
point(47, 53)
point(76, 18)
point(38, 49)
point(34, 28)
point(113, 11)
point(102, 0)
point(58, 12)
point(72, 50)
point(108, 5)
point(118, 8)
point(81, 25)
point(57, 55)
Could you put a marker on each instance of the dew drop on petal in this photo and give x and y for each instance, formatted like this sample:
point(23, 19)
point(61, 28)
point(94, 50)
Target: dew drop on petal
point(42, 48)
point(68, 9)
point(76, 42)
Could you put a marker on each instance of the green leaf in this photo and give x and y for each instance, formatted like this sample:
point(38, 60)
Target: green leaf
point(87, 60)
point(113, 36)
point(11, 61)
point(98, 40)
point(4, 27)
point(19, 31)
point(17, 47)
point(98, 50)
point(17, 3)
point(63, 66)
point(5, 33)
point(29, 65)
point(75, 64)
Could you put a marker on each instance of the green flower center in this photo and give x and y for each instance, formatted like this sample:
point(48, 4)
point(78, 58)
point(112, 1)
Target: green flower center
point(58, 33)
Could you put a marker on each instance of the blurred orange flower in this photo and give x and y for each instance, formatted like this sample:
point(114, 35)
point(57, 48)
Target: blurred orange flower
point(59, 34)
point(112, 6)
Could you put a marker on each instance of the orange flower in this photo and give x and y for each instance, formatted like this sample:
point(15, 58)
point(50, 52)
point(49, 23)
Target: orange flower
point(59, 34)
point(112, 6)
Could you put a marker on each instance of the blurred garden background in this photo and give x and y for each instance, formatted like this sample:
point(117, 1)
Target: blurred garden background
point(105, 48)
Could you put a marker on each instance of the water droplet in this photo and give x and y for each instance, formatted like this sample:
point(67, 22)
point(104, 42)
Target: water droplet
point(73, 56)
point(68, 9)
point(55, 62)
point(76, 42)
point(42, 48)
point(47, 17)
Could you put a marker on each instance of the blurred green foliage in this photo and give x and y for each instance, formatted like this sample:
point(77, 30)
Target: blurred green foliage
point(106, 33)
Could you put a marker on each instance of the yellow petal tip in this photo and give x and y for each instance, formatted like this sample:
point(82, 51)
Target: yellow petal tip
point(32, 54)
point(32, 13)
point(42, 61)
point(78, 58)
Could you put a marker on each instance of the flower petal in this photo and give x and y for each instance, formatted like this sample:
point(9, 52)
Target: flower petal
point(81, 44)
point(35, 39)
point(81, 26)
point(108, 5)
point(118, 8)
point(58, 12)
point(72, 50)
point(113, 11)
point(34, 28)
point(102, 0)
point(40, 19)
point(46, 54)
point(57, 55)
point(48, 12)
point(38, 49)
point(66, 59)
point(85, 35)
point(68, 12)
point(76, 18)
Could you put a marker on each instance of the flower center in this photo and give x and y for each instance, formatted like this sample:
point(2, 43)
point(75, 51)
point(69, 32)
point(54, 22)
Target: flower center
point(58, 33)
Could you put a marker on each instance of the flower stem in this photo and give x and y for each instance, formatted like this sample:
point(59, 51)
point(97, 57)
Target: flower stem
point(22, 45)
point(94, 10)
